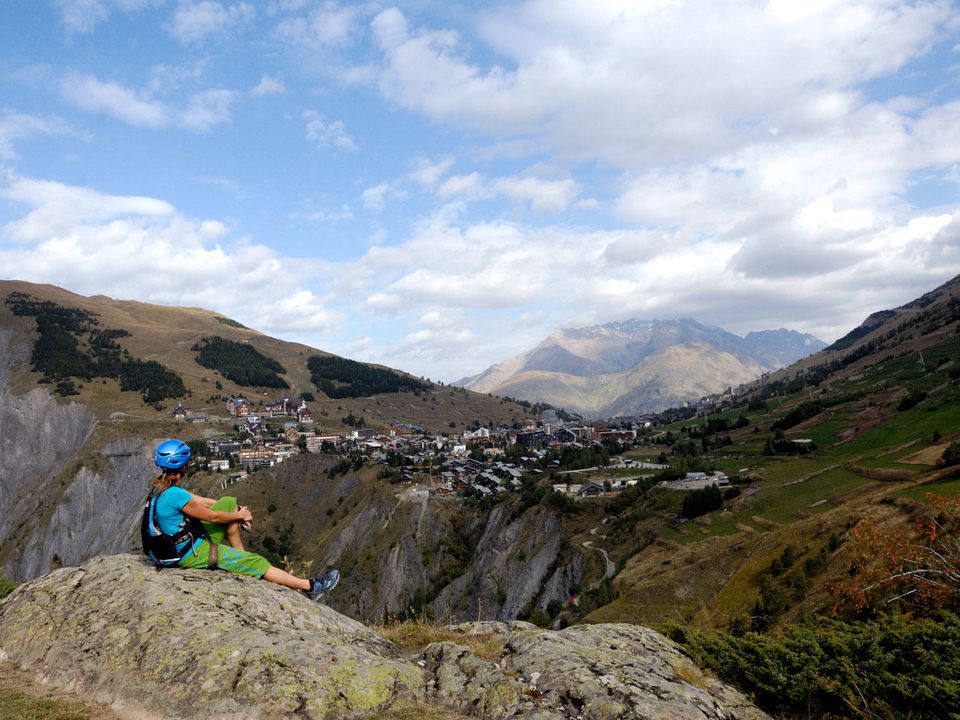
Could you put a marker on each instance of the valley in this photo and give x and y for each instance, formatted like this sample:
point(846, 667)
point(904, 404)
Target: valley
point(864, 434)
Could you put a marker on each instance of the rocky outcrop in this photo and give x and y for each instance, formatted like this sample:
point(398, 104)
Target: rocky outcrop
point(200, 644)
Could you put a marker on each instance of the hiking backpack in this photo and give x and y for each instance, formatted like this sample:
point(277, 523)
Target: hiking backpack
point(160, 547)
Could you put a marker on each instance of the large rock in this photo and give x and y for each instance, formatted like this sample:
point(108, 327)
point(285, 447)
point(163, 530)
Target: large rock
point(200, 644)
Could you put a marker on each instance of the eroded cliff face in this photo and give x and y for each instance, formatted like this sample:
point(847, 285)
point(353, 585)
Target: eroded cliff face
point(451, 559)
point(200, 644)
point(99, 512)
point(54, 508)
point(518, 564)
point(399, 550)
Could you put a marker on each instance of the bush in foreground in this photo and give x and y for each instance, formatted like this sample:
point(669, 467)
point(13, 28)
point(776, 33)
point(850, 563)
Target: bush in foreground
point(897, 666)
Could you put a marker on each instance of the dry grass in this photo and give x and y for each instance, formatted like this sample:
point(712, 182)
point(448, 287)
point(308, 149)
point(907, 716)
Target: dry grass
point(927, 456)
point(690, 674)
point(413, 636)
point(22, 698)
point(418, 711)
point(882, 474)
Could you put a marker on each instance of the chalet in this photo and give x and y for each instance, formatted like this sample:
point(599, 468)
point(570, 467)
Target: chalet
point(564, 435)
point(507, 472)
point(472, 465)
point(591, 489)
point(402, 428)
point(285, 407)
point(291, 434)
point(363, 434)
point(254, 429)
point(238, 407)
point(179, 412)
point(304, 416)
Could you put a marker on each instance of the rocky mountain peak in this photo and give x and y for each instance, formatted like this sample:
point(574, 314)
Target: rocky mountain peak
point(623, 367)
point(200, 644)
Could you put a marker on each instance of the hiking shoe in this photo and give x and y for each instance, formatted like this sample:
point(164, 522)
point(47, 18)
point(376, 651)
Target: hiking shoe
point(320, 586)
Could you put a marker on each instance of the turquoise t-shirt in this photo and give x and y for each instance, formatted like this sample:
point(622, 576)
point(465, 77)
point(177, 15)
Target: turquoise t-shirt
point(169, 510)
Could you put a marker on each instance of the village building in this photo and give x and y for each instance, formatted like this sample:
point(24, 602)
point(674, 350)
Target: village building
point(181, 414)
point(239, 407)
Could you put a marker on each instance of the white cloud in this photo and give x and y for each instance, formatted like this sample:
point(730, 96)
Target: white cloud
point(141, 248)
point(326, 26)
point(471, 185)
point(82, 16)
point(543, 195)
point(207, 109)
point(375, 198)
point(193, 21)
point(640, 83)
point(427, 173)
point(203, 111)
point(268, 86)
point(344, 213)
point(19, 126)
point(327, 135)
point(108, 98)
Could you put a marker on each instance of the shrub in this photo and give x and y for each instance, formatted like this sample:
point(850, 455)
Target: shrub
point(6, 586)
point(951, 456)
point(912, 400)
point(897, 666)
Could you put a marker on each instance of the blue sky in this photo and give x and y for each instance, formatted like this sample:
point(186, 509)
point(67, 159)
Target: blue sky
point(437, 186)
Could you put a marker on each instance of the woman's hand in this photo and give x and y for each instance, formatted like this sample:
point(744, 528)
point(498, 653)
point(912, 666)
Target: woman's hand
point(244, 514)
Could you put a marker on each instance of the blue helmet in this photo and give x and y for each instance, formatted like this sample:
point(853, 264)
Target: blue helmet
point(172, 454)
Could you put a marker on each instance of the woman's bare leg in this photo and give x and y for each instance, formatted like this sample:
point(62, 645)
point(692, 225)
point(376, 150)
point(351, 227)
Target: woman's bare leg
point(233, 535)
point(281, 577)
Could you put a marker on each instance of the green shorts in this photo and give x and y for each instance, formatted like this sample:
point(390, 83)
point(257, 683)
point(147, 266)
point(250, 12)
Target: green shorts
point(230, 559)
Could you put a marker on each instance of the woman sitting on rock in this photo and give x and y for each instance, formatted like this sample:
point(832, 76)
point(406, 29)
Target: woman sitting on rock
point(204, 524)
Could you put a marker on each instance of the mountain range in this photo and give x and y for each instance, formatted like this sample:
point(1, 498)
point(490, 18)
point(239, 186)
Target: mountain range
point(861, 435)
point(639, 366)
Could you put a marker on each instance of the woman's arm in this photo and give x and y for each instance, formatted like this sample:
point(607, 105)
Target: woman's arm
point(205, 501)
point(198, 510)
